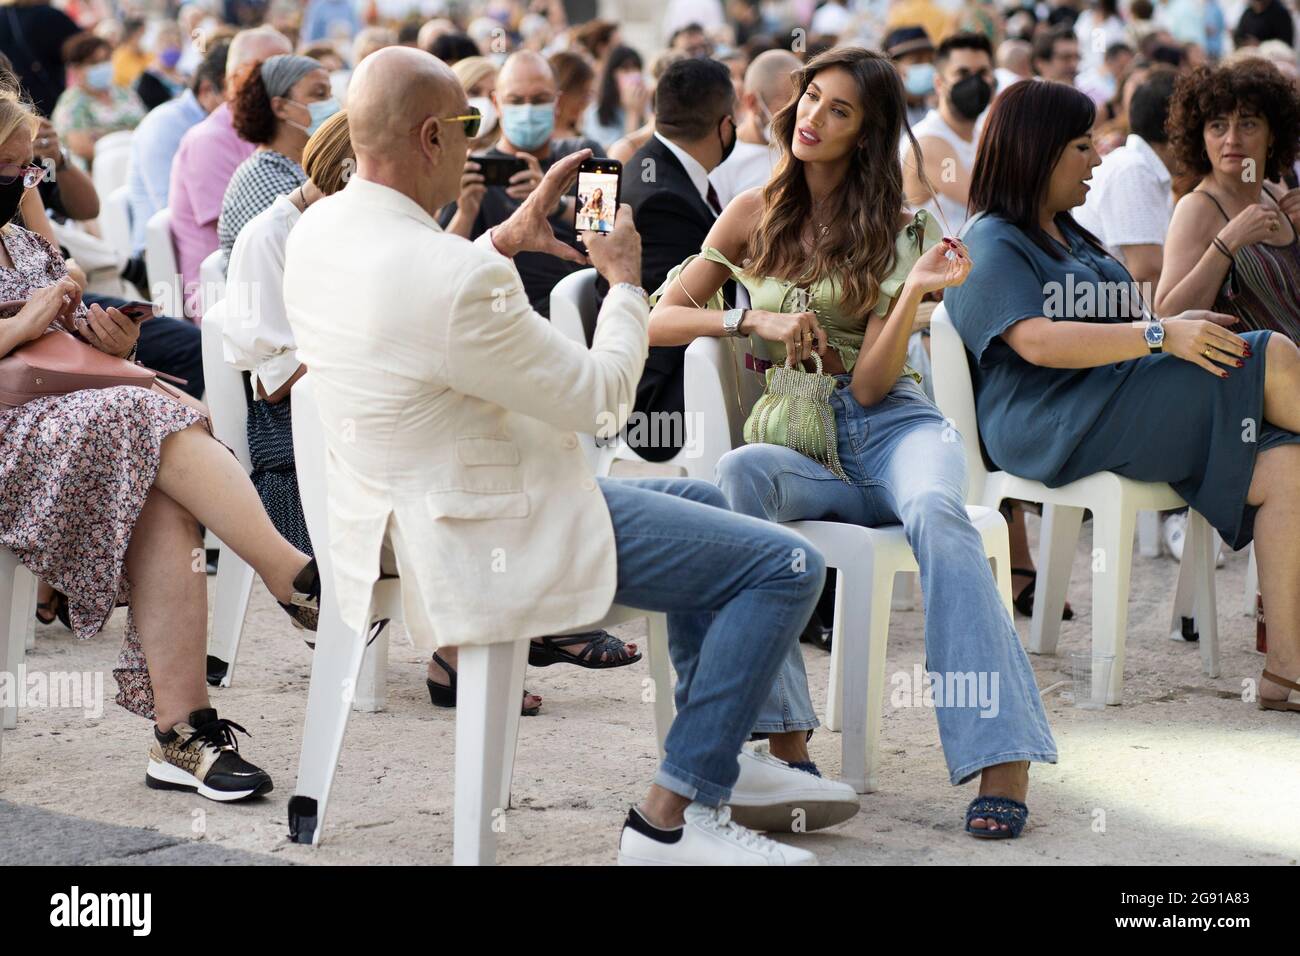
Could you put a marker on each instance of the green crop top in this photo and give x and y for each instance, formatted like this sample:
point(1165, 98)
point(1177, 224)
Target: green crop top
point(844, 332)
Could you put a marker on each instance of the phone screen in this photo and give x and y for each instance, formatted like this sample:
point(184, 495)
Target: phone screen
point(597, 196)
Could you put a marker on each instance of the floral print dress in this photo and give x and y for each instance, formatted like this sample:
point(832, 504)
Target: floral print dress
point(74, 473)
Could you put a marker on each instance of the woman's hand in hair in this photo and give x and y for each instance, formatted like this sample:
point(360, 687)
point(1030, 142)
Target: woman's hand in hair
point(935, 270)
point(799, 332)
point(1198, 336)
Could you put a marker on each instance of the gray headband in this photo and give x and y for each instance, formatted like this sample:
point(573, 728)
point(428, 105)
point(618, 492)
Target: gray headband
point(280, 73)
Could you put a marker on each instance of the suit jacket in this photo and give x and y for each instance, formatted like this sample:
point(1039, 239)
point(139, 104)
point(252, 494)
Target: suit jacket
point(673, 220)
point(449, 408)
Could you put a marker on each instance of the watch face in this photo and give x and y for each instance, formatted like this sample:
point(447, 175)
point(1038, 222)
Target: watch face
point(1155, 333)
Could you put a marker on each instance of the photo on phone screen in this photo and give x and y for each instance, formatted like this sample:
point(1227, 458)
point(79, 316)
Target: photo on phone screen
point(596, 195)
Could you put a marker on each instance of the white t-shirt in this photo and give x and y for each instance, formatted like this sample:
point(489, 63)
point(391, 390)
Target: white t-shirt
point(948, 210)
point(749, 165)
point(1131, 200)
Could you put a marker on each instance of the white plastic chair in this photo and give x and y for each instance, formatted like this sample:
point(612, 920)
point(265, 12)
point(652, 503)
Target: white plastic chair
point(17, 629)
point(112, 162)
point(490, 681)
point(573, 313)
point(160, 260)
point(225, 400)
point(212, 279)
point(1115, 502)
point(115, 220)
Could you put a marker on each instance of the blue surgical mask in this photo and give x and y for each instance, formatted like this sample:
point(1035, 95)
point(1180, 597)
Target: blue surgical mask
point(320, 111)
point(528, 125)
point(920, 79)
point(99, 76)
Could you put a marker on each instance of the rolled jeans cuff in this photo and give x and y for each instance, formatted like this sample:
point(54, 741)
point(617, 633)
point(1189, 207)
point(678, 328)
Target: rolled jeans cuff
point(690, 786)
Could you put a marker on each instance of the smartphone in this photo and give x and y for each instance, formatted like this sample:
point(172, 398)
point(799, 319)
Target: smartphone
point(596, 195)
point(137, 311)
point(1290, 178)
point(497, 170)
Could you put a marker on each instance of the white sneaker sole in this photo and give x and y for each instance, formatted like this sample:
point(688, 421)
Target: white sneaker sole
point(627, 859)
point(165, 776)
point(815, 812)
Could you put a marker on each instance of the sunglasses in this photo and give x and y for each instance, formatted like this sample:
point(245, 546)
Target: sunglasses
point(30, 174)
point(472, 120)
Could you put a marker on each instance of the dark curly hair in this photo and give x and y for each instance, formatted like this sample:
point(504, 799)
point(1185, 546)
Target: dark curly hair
point(1205, 93)
point(250, 107)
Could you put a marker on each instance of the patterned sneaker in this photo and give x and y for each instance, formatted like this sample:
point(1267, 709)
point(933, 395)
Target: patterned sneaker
point(202, 756)
point(304, 607)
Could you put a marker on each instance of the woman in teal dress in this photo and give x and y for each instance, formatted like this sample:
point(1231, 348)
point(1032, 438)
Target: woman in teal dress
point(834, 267)
point(1073, 376)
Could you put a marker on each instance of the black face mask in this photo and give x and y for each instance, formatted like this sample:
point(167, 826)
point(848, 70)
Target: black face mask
point(10, 196)
point(970, 96)
point(727, 147)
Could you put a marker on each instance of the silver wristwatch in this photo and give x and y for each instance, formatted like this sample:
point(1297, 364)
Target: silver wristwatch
point(731, 320)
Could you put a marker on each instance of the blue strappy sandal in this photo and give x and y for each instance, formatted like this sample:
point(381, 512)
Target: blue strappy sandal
point(1003, 810)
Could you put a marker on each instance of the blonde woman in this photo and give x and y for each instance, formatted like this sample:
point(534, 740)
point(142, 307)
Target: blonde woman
point(478, 77)
point(101, 494)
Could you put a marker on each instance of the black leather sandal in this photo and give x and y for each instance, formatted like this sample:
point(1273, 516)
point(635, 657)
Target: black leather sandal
point(1024, 601)
point(444, 695)
point(56, 608)
point(602, 649)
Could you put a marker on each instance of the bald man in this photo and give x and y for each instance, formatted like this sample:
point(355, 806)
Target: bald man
point(450, 409)
point(768, 89)
point(205, 160)
point(524, 97)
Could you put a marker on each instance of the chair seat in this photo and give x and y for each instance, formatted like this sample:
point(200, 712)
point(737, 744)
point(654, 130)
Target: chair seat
point(1103, 486)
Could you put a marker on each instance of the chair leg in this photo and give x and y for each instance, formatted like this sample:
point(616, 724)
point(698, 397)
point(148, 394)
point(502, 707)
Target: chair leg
point(335, 667)
point(518, 666)
point(1057, 540)
point(1206, 609)
point(660, 676)
point(835, 688)
point(16, 589)
point(234, 584)
point(903, 597)
point(997, 545)
point(1148, 534)
point(1185, 589)
point(1252, 583)
point(372, 684)
point(1112, 566)
point(485, 678)
point(866, 599)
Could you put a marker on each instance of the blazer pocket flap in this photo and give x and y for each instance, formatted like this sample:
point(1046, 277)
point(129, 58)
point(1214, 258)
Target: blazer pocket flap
point(458, 503)
point(484, 450)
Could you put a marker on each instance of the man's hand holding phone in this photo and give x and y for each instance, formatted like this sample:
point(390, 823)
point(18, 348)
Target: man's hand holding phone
point(528, 228)
point(616, 255)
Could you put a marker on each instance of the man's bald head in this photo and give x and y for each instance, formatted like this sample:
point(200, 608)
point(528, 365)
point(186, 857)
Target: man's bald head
point(1015, 55)
point(249, 46)
point(394, 90)
point(524, 71)
point(769, 77)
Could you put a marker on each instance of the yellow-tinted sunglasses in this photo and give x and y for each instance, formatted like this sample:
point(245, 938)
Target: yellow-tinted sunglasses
point(472, 120)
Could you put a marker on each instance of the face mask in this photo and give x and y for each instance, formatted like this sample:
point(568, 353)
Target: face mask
point(170, 57)
point(99, 76)
point(10, 196)
point(970, 96)
point(488, 112)
point(528, 125)
point(920, 79)
point(727, 147)
point(320, 111)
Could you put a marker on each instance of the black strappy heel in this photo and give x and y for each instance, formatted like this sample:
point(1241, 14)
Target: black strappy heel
point(57, 609)
point(444, 695)
point(1024, 601)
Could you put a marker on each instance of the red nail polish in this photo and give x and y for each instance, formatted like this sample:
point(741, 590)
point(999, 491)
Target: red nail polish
point(1224, 375)
point(1241, 365)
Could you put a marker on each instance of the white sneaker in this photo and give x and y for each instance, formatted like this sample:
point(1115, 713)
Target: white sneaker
point(1175, 531)
point(771, 795)
point(709, 837)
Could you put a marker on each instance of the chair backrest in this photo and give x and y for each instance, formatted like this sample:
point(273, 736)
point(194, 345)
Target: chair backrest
point(719, 392)
point(309, 458)
point(573, 306)
point(115, 220)
point(112, 162)
point(954, 393)
point(224, 388)
point(160, 260)
point(212, 279)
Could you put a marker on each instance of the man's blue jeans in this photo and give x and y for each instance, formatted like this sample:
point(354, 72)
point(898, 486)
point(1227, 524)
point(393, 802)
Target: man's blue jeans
point(906, 465)
point(737, 591)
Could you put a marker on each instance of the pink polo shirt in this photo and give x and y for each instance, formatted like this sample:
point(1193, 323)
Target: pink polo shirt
point(207, 158)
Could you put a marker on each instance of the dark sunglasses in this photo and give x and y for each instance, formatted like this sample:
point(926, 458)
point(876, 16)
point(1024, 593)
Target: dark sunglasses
point(30, 174)
point(472, 120)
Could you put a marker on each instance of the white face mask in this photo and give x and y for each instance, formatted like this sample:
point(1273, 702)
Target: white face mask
point(488, 112)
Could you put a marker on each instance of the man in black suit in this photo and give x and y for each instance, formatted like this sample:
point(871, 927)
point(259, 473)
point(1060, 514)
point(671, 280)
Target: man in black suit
point(667, 185)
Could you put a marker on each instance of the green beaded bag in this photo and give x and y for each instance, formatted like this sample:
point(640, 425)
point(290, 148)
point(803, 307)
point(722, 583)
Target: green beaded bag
point(795, 411)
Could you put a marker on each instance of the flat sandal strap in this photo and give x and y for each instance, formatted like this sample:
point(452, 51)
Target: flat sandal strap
point(1269, 675)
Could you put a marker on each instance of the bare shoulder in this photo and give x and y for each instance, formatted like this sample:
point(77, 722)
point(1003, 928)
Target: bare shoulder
point(1196, 210)
point(740, 220)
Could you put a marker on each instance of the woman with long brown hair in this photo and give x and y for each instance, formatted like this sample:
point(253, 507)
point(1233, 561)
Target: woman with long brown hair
point(829, 228)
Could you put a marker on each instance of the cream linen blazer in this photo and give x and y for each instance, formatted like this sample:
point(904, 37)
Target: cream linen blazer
point(450, 409)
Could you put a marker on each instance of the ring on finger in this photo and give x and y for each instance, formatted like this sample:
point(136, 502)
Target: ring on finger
point(1207, 352)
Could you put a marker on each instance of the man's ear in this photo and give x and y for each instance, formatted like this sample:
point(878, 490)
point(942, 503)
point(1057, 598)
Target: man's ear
point(492, 95)
point(431, 138)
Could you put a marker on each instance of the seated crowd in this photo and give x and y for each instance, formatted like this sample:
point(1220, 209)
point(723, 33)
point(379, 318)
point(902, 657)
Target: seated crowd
point(816, 199)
